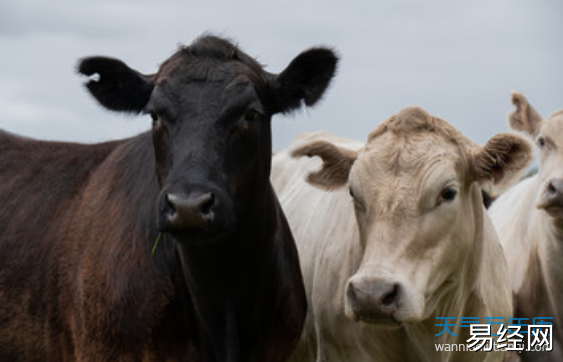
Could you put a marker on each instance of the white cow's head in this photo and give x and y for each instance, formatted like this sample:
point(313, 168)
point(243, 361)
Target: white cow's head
point(416, 188)
point(548, 135)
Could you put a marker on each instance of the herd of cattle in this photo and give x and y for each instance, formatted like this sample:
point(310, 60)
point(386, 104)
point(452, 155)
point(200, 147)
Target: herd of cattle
point(173, 246)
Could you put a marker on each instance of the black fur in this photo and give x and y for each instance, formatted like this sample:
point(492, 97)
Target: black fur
point(306, 78)
point(119, 88)
point(78, 222)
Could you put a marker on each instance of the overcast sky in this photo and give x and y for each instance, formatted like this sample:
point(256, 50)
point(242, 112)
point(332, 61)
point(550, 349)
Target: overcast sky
point(459, 60)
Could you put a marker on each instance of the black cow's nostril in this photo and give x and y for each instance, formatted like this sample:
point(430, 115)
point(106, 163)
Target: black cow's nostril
point(207, 203)
point(169, 204)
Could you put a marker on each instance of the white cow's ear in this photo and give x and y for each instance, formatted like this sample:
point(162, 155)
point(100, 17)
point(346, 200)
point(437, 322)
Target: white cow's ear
point(524, 118)
point(501, 161)
point(336, 166)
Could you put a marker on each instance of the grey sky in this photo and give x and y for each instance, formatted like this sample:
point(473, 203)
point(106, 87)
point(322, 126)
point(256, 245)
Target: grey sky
point(457, 59)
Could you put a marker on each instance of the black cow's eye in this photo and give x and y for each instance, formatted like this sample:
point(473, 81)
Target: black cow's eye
point(155, 119)
point(252, 115)
point(541, 141)
point(448, 194)
point(351, 193)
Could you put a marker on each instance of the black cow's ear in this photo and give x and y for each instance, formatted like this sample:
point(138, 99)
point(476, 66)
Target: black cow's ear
point(117, 87)
point(305, 79)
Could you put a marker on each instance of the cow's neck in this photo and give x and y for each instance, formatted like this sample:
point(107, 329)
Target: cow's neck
point(553, 231)
point(203, 286)
point(219, 275)
point(550, 269)
point(540, 293)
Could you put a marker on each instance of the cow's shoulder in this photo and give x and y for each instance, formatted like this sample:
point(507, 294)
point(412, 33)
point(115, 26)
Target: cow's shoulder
point(516, 220)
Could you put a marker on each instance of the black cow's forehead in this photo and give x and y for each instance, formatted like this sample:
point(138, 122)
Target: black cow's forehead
point(210, 59)
point(196, 97)
point(204, 78)
point(209, 68)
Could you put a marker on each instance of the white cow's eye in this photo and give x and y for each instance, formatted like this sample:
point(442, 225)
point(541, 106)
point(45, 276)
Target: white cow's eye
point(448, 194)
point(541, 142)
point(358, 205)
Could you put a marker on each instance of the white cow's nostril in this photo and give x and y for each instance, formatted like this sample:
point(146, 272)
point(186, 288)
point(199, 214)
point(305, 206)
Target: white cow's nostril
point(551, 189)
point(391, 298)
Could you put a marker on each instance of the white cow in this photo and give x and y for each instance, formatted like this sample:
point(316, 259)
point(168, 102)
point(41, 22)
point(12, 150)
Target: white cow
point(398, 237)
point(529, 220)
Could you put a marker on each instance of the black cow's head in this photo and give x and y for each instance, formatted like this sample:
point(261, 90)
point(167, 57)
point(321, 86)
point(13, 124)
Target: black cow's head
point(211, 106)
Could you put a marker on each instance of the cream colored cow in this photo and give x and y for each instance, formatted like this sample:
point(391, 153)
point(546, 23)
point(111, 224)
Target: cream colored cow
point(398, 237)
point(529, 221)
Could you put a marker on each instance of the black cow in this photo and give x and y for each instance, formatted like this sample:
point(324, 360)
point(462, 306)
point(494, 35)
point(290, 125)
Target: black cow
point(78, 222)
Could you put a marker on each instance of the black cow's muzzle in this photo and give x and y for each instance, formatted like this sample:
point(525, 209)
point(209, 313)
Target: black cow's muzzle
point(196, 213)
